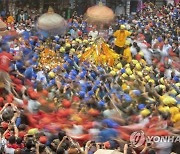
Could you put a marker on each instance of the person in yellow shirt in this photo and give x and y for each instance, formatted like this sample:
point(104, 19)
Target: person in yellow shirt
point(127, 57)
point(10, 19)
point(120, 40)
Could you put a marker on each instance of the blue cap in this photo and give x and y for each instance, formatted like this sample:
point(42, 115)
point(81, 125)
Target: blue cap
point(90, 93)
point(101, 103)
point(66, 75)
point(65, 66)
point(28, 73)
point(82, 94)
point(159, 39)
point(176, 78)
point(93, 75)
point(82, 75)
point(72, 77)
point(110, 123)
point(141, 106)
point(127, 98)
point(123, 70)
point(137, 92)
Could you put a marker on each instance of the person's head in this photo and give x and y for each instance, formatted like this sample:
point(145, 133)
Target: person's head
point(22, 127)
point(19, 140)
point(29, 144)
point(60, 151)
point(73, 150)
point(151, 151)
point(41, 148)
point(134, 44)
point(61, 134)
point(17, 151)
point(166, 42)
point(12, 140)
point(122, 27)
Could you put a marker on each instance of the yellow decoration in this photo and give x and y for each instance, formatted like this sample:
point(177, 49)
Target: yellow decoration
point(49, 58)
point(101, 54)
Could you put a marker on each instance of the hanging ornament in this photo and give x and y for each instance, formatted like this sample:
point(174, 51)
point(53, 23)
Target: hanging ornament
point(51, 23)
point(99, 14)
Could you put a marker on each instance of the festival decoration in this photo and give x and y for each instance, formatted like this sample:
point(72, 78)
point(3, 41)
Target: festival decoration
point(51, 23)
point(49, 59)
point(99, 14)
point(101, 54)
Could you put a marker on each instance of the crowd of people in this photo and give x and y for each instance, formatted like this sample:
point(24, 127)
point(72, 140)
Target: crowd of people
point(52, 101)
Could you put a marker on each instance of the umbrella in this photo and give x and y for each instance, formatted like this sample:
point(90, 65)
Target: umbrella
point(99, 14)
point(51, 23)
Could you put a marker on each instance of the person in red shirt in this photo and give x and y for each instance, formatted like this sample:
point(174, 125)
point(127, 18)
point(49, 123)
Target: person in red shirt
point(5, 80)
point(5, 60)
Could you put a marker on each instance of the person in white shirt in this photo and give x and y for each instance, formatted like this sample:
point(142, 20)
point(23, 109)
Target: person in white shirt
point(165, 50)
point(20, 29)
point(93, 33)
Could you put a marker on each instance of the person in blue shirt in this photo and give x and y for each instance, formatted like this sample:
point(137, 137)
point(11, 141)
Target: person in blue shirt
point(107, 134)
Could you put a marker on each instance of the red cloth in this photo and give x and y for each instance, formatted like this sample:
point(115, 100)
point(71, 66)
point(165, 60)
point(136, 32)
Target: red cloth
point(5, 59)
point(13, 146)
point(1, 100)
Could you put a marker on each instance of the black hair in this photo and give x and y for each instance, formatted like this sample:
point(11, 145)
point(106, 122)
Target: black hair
point(66, 145)
point(61, 134)
point(29, 144)
point(42, 148)
point(19, 140)
point(152, 151)
point(22, 127)
point(60, 151)
point(12, 139)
